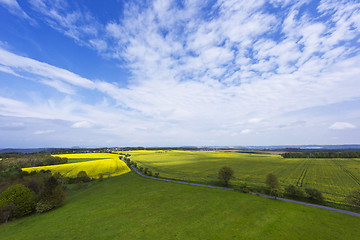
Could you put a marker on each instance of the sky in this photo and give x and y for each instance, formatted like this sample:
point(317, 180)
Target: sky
point(179, 73)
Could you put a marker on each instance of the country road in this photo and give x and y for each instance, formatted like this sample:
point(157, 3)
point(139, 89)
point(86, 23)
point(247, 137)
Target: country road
point(261, 195)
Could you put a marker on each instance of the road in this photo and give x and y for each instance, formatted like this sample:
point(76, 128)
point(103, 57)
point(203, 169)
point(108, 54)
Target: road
point(261, 195)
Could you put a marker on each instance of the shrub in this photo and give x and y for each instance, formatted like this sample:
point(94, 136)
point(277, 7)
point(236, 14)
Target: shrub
point(21, 197)
point(83, 177)
point(35, 185)
point(101, 177)
point(141, 169)
point(314, 194)
point(7, 212)
point(244, 188)
point(51, 200)
point(51, 197)
point(156, 174)
point(146, 170)
point(354, 199)
point(43, 206)
point(149, 173)
point(294, 192)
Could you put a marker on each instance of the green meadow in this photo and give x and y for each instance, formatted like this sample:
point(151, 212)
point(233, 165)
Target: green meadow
point(335, 178)
point(133, 207)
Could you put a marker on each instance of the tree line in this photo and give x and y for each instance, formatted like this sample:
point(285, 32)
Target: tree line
point(331, 154)
point(29, 160)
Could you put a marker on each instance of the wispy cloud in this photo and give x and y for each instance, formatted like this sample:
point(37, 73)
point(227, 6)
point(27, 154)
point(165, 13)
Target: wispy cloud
point(75, 23)
point(40, 132)
point(50, 75)
point(14, 7)
point(82, 124)
point(342, 126)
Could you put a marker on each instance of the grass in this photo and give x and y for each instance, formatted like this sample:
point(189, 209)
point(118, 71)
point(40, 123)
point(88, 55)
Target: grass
point(335, 178)
point(132, 207)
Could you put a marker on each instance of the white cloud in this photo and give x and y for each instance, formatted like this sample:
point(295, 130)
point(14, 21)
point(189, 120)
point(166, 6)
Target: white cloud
point(40, 132)
point(342, 126)
point(82, 124)
point(255, 120)
point(246, 131)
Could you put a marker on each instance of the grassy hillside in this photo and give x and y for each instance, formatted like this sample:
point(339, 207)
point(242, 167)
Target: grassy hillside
point(335, 178)
point(132, 207)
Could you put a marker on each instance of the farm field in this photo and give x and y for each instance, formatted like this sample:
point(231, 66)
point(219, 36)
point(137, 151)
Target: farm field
point(335, 178)
point(132, 207)
point(94, 164)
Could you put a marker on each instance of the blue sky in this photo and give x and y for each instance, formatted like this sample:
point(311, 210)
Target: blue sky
point(173, 73)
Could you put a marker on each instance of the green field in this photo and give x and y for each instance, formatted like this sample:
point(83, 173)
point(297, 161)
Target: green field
point(335, 178)
point(132, 207)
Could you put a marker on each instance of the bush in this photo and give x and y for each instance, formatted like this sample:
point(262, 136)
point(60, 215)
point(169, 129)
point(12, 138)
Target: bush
point(354, 199)
point(43, 206)
point(294, 192)
point(7, 212)
point(141, 169)
point(21, 197)
point(35, 185)
point(146, 170)
point(314, 194)
point(244, 188)
point(101, 177)
point(51, 197)
point(51, 200)
point(156, 174)
point(149, 173)
point(83, 177)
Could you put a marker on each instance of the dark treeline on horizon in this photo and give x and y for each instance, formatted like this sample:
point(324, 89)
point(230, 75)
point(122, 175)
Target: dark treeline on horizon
point(322, 154)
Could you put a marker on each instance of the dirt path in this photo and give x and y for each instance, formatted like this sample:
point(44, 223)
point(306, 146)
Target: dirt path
point(261, 195)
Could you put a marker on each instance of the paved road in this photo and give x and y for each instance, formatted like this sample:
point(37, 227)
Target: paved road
point(262, 195)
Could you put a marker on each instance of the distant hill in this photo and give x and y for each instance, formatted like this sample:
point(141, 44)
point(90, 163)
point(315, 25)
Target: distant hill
point(25, 150)
point(287, 148)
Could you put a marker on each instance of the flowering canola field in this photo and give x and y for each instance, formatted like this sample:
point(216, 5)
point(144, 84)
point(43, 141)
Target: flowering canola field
point(95, 164)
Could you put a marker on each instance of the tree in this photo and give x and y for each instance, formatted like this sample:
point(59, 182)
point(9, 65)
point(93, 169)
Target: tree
point(354, 199)
point(225, 174)
point(273, 184)
point(21, 196)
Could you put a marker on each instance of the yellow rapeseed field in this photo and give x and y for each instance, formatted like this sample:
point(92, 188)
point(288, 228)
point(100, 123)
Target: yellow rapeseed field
point(95, 164)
